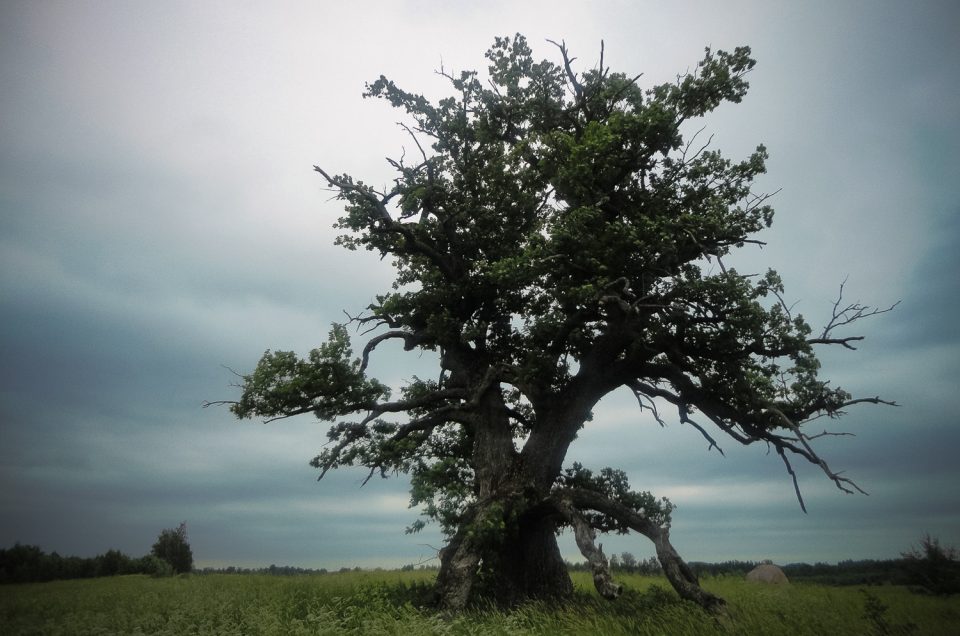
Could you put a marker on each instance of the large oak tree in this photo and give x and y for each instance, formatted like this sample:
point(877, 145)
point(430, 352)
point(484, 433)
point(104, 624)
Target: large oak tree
point(555, 239)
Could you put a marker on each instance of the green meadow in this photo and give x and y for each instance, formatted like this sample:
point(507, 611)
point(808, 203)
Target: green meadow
point(389, 602)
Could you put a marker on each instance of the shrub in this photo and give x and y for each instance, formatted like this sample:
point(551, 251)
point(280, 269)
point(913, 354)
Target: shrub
point(154, 566)
point(933, 567)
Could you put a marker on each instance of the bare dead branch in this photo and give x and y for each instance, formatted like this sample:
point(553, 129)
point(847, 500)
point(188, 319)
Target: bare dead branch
point(369, 475)
point(567, 65)
point(788, 310)
point(873, 400)
point(236, 373)
point(840, 341)
point(650, 404)
point(209, 403)
point(793, 475)
point(849, 314)
point(683, 406)
point(843, 483)
point(684, 417)
point(416, 141)
point(827, 433)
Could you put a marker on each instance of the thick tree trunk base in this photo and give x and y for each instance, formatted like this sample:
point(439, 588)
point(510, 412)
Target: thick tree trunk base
point(522, 560)
point(458, 574)
point(531, 566)
point(525, 565)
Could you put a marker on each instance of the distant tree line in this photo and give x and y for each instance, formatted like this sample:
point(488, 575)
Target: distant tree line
point(30, 564)
point(273, 570)
point(171, 554)
point(848, 572)
point(930, 568)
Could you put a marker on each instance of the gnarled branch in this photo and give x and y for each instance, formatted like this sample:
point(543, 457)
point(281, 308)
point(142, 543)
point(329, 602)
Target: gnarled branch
point(585, 535)
point(410, 341)
point(681, 577)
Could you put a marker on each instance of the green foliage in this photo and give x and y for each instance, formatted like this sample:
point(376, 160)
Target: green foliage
point(113, 562)
point(613, 484)
point(328, 383)
point(173, 548)
point(28, 563)
point(156, 566)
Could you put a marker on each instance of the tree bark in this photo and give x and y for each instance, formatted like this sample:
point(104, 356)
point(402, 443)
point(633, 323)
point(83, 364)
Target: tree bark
point(681, 577)
point(599, 566)
point(531, 566)
point(520, 559)
point(518, 562)
point(504, 549)
point(458, 572)
point(507, 547)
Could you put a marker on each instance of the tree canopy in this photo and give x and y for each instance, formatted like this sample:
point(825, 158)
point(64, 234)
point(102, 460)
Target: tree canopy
point(172, 547)
point(557, 235)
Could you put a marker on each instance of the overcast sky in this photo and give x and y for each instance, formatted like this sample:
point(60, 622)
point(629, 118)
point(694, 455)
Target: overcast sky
point(160, 221)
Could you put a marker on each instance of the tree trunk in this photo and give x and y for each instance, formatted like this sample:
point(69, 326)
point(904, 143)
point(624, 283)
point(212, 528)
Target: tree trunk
point(521, 561)
point(458, 572)
point(529, 565)
point(506, 546)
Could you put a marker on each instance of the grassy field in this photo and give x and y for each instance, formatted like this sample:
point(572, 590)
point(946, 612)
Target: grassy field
point(385, 603)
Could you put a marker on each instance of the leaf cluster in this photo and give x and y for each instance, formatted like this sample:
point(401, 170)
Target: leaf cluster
point(613, 484)
point(328, 383)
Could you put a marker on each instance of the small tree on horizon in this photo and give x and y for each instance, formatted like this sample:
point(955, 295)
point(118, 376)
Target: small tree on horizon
point(172, 546)
point(556, 238)
point(933, 567)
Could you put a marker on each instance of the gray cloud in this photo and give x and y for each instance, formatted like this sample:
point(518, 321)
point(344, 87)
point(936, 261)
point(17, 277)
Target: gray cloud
point(159, 218)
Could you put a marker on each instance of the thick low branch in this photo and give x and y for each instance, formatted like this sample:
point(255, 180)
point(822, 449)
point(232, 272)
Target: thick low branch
point(313, 408)
point(426, 400)
point(681, 577)
point(585, 535)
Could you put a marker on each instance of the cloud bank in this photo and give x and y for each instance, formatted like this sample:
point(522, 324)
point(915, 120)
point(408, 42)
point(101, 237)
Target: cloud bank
point(160, 223)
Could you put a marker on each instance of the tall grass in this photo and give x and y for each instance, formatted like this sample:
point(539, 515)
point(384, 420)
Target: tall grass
point(387, 603)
